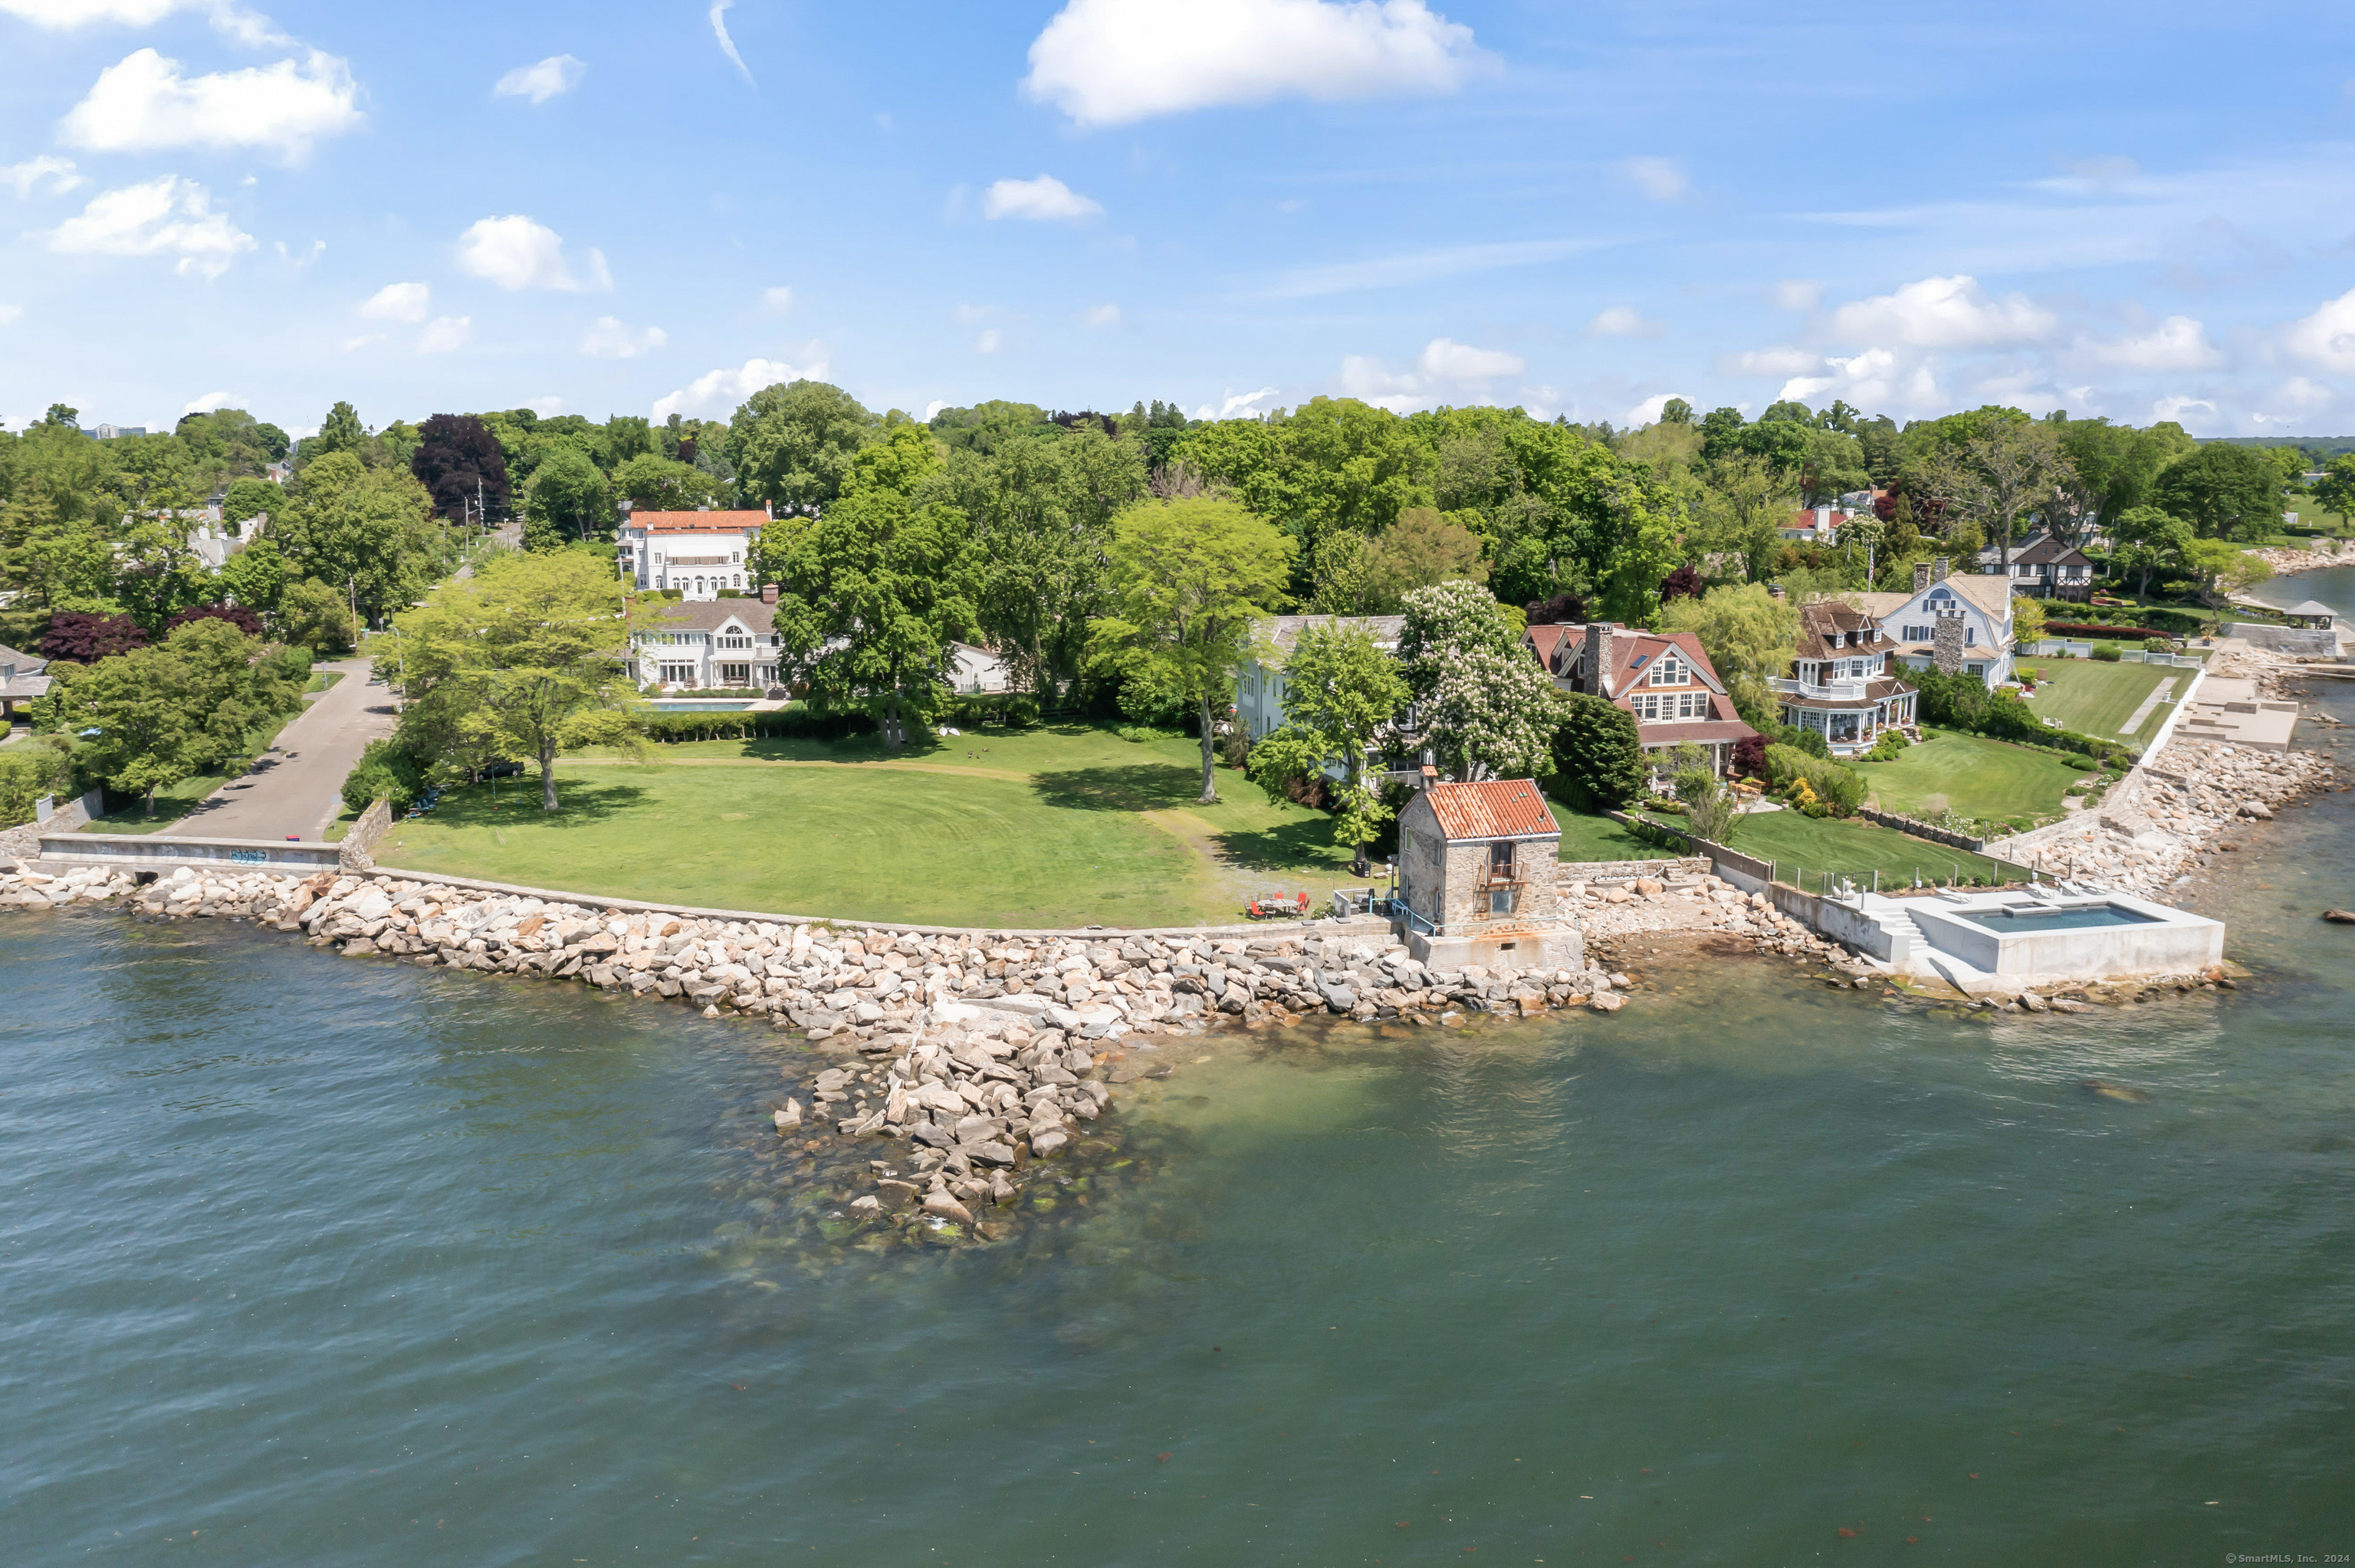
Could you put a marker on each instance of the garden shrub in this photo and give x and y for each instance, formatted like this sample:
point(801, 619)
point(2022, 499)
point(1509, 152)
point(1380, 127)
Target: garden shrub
point(384, 771)
point(1837, 791)
point(30, 770)
point(1750, 756)
point(2107, 653)
point(1139, 734)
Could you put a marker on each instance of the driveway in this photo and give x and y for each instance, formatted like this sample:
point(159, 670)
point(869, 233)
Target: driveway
point(295, 789)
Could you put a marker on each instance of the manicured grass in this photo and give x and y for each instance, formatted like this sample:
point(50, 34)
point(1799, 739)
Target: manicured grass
point(1971, 775)
point(2096, 698)
point(1056, 827)
point(323, 679)
point(1600, 837)
point(1803, 845)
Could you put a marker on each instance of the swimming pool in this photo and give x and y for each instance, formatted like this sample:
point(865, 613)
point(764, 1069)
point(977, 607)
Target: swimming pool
point(2023, 917)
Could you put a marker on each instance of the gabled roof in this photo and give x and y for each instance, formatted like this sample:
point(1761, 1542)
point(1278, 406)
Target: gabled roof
point(1824, 627)
point(2044, 550)
point(26, 663)
point(2311, 607)
point(698, 522)
point(1546, 641)
point(1633, 653)
point(1492, 809)
point(1284, 631)
point(757, 615)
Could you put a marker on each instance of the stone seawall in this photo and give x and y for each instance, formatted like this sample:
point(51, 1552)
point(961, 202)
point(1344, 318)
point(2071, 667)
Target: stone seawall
point(24, 841)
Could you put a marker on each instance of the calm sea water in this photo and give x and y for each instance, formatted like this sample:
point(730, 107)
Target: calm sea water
point(311, 1261)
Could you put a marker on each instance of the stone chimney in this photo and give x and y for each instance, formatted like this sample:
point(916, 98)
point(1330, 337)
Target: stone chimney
point(1946, 642)
point(1939, 568)
point(768, 593)
point(1921, 575)
point(1598, 658)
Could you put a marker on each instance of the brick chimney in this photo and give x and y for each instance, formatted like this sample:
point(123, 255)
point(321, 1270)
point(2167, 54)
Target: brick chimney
point(1921, 575)
point(768, 593)
point(1598, 658)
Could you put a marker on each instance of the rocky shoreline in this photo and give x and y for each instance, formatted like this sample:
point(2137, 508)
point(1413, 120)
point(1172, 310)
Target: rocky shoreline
point(2287, 561)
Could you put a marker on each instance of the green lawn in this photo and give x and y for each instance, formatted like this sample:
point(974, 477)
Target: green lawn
point(2096, 698)
point(1600, 837)
point(1971, 775)
point(1800, 846)
point(1050, 827)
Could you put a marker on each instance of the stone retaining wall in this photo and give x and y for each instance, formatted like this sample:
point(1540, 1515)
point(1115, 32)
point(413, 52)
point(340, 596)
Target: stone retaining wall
point(365, 834)
point(24, 843)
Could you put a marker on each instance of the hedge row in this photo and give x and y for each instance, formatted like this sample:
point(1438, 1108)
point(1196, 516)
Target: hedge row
point(1016, 710)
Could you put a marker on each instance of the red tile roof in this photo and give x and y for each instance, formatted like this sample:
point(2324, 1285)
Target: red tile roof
point(695, 522)
point(1492, 809)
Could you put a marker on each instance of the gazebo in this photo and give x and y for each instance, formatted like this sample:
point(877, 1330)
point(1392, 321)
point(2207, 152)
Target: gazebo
point(2311, 616)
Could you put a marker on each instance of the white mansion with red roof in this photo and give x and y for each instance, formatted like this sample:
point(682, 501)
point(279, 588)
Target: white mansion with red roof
point(1663, 678)
point(692, 554)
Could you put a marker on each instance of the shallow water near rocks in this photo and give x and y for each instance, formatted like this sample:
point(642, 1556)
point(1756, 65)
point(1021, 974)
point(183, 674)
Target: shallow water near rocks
point(321, 1261)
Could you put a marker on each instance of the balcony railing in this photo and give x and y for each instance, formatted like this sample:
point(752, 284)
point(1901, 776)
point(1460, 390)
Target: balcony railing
point(1833, 692)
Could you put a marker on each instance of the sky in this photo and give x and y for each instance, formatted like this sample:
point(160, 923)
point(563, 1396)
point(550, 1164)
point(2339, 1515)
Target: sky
point(2136, 210)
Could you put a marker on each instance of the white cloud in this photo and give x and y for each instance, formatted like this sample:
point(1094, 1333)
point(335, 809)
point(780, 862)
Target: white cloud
point(2326, 337)
point(556, 74)
point(717, 392)
point(1100, 316)
point(546, 407)
point(934, 406)
point(2303, 398)
point(1658, 178)
point(727, 45)
point(516, 254)
point(445, 334)
point(409, 303)
point(776, 301)
point(1622, 321)
point(1772, 362)
point(1108, 63)
point(211, 403)
point(1452, 361)
point(1876, 378)
point(166, 216)
point(244, 25)
point(612, 338)
point(990, 341)
point(1942, 312)
point(1237, 404)
point(1365, 379)
point(316, 249)
point(1647, 412)
point(2179, 343)
point(366, 338)
point(11, 314)
point(1797, 294)
point(2177, 407)
point(51, 176)
point(144, 102)
point(1045, 198)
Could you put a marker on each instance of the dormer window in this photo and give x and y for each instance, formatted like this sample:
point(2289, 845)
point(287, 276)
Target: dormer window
point(1668, 672)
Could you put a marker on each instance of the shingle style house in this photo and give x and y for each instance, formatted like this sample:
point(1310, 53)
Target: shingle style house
point(1663, 678)
point(1842, 685)
point(703, 643)
point(2044, 566)
point(1947, 622)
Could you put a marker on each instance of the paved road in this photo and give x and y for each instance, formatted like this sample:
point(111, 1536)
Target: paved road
point(295, 789)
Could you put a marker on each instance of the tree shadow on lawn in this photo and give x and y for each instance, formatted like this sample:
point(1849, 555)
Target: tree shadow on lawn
point(580, 805)
point(1305, 847)
point(1139, 787)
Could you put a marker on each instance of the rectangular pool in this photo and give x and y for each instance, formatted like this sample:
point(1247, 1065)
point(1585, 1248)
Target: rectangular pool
point(2019, 918)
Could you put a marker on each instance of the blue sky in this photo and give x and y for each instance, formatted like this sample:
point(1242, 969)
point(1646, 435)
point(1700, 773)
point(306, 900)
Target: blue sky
point(2136, 210)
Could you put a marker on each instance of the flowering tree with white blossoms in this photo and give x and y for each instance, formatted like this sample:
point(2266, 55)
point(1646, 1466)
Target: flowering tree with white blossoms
point(1492, 716)
point(1486, 709)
